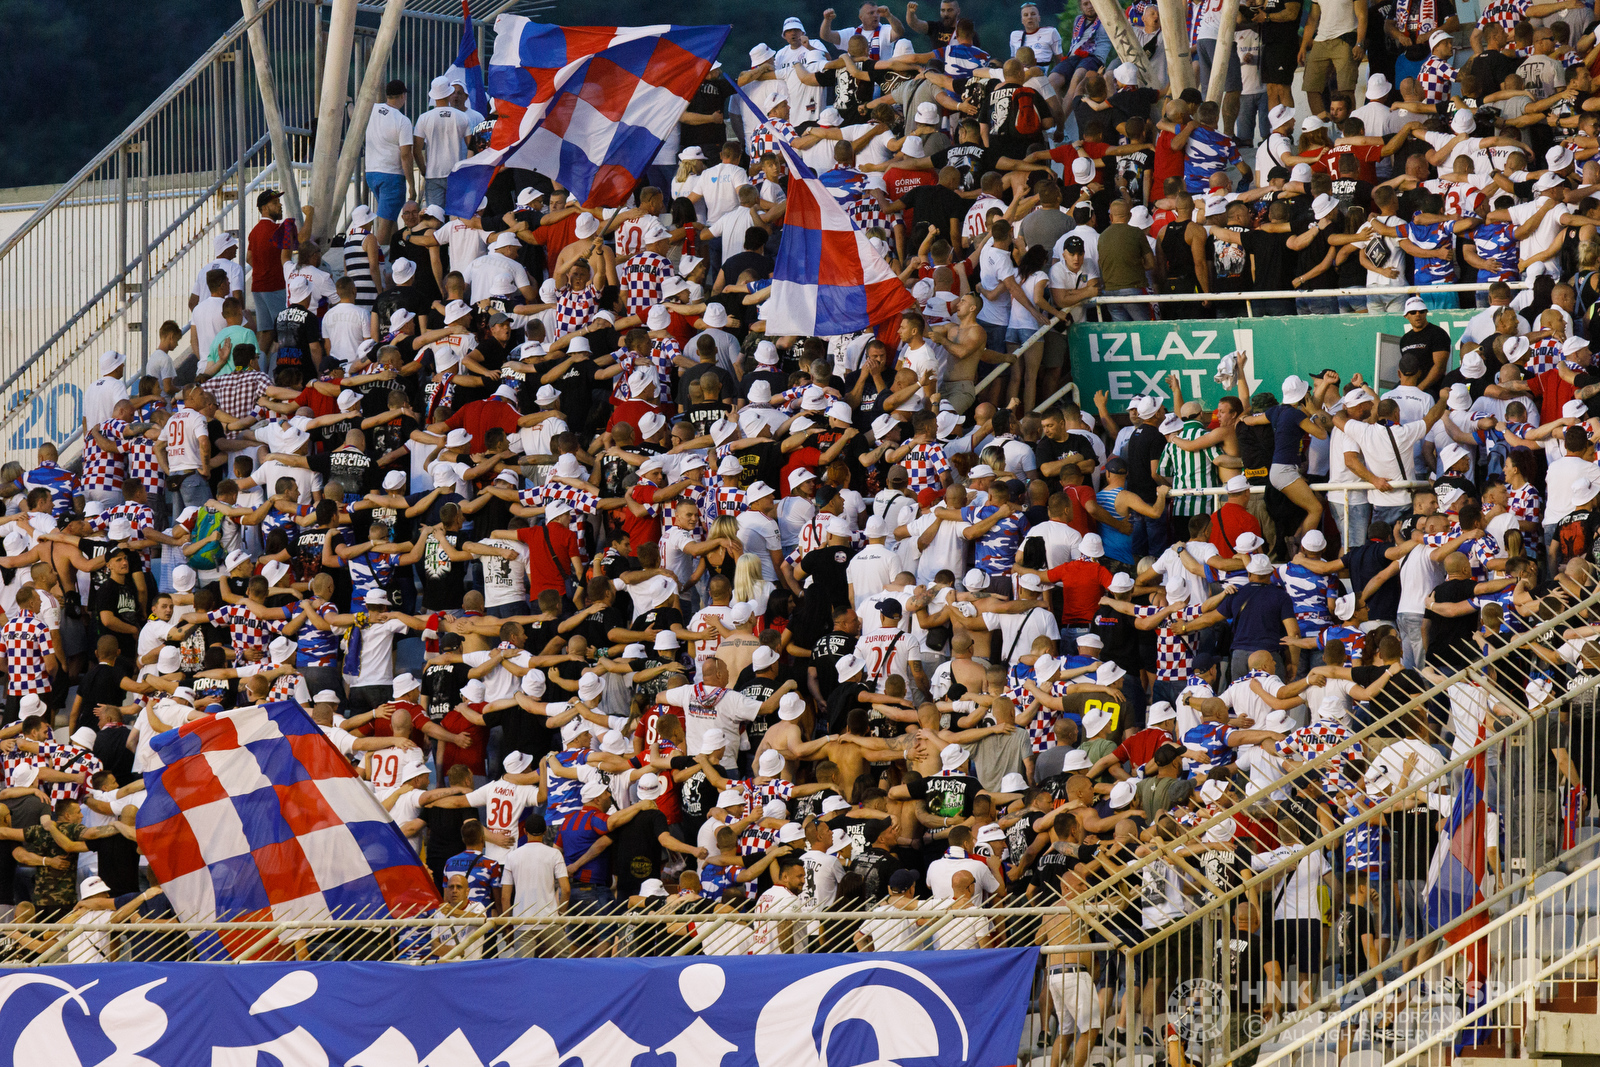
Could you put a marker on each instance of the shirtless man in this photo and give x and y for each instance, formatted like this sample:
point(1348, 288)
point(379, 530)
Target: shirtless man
point(738, 642)
point(786, 737)
point(851, 752)
point(1070, 978)
point(963, 668)
point(1226, 435)
point(965, 341)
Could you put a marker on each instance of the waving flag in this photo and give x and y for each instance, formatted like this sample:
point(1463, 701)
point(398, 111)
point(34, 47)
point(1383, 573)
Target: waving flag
point(254, 815)
point(1455, 880)
point(466, 65)
point(586, 106)
point(828, 280)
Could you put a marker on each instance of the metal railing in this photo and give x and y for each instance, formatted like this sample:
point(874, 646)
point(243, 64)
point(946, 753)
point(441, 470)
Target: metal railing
point(1291, 294)
point(1384, 1009)
point(116, 250)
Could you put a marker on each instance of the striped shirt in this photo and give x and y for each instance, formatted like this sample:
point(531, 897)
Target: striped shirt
point(1190, 470)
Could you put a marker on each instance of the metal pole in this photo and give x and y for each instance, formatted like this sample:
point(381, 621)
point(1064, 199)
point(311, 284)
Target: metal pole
point(239, 99)
point(372, 83)
point(267, 87)
point(330, 109)
point(1219, 66)
point(122, 221)
point(144, 253)
point(217, 107)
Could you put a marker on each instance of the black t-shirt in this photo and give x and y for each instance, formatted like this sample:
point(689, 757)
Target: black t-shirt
point(705, 415)
point(710, 98)
point(636, 850)
point(354, 468)
point(861, 832)
point(1004, 108)
point(119, 863)
point(947, 795)
point(298, 327)
point(758, 689)
point(122, 601)
point(826, 568)
point(841, 699)
point(1273, 260)
point(102, 684)
point(1489, 69)
point(1403, 686)
point(759, 264)
point(762, 462)
point(441, 689)
point(1450, 637)
point(1048, 868)
point(1365, 563)
point(1412, 837)
point(826, 652)
point(576, 386)
point(872, 394)
point(874, 867)
point(1425, 342)
point(936, 206)
point(966, 159)
point(1108, 117)
point(1145, 445)
point(441, 580)
point(444, 835)
point(111, 748)
point(1352, 923)
point(696, 797)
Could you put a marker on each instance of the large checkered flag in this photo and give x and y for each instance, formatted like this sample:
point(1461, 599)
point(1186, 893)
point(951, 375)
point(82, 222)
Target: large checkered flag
point(254, 816)
point(587, 106)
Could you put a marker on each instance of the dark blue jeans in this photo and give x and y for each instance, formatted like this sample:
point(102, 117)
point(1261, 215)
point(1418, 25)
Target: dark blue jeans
point(1151, 537)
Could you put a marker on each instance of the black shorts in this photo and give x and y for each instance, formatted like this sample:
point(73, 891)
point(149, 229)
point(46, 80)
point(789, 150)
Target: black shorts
point(1278, 63)
point(1297, 944)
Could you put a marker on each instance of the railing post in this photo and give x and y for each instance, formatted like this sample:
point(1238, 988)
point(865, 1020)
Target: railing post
point(122, 222)
point(239, 88)
point(144, 254)
point(218, 109)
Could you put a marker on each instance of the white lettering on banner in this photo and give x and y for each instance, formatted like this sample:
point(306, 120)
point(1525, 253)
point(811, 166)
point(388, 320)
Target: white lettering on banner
point(1121, 383)
point(1137, 354)
point(792, 1029)
point(52, 416)
point(1110, 355)
point(1173, 345)
point(1204, 350)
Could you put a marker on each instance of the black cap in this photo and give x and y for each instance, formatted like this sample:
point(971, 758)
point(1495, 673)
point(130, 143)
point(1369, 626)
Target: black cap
point(1073, 244)
point(902, 880)
point(267, 196)
point(825, 493)
point(1116, 465)
point(1204, 661)
point(891, 607)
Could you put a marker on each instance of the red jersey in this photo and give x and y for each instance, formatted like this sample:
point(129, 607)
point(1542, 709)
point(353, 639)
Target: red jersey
point(1081, 496)
point(475, 755)
point(556, 236)
point(1138, 749)
point(630, 412)
point(1553, 392)
point(480, 416)
point(642, 529)
point(1230, 522)
point(545, 571)
point(808, 457)
point(1083, 583)
point(265, 245)
point(1168, 163)
point(1367, 155)
point(382, 727)
point(901, 181)
point(319, 402)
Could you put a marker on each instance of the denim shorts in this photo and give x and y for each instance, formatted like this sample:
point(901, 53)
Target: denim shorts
point(389, 192)
point(1016, 336)
point(269, 306)
point(994, 336)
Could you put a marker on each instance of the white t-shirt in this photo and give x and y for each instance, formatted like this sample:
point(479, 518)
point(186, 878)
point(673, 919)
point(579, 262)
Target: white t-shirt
point(383, 768)
point(235, 272)
point(1021, 317)
point(377, 651)
point(729, 712)
point(268, 473)
point(505, 581)
point(387, 131)
point(1542, 238)
point(994, 267)
point(674, 557)
point(498, 684)
point(503, 804)
point(948, 551)
point(1045, 42)
point(536, 870)
point(1378, 455)
point(464, 242)
point(1060, 541)
point(1239, 699)
point(344, 327)
point(495, 275)
point(777, 900)
point(207, 320)
point(1559, 479)
point(1018, 632)
point(444, 133)
point(182, 435)
point(870, 570)
point(1298, 898)
point(1418, 575)
point(719, 185)
point(759, 534)
point(942, 872)
point(888, 652)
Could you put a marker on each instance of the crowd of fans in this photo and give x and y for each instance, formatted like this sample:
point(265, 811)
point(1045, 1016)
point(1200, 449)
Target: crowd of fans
point(619, 605)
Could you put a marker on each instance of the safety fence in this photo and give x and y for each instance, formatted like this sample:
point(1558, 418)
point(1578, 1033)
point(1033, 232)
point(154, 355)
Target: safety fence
point(120, 247)
point(1341, 928)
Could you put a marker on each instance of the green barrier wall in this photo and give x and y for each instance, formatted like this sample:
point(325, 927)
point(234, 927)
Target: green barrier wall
point(1130, 358)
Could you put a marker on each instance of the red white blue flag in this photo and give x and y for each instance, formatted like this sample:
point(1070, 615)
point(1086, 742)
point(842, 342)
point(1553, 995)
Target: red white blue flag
point(254, 816)
point(827, 280)
point(466, 66)
point(1455, 883)
point(586, 106)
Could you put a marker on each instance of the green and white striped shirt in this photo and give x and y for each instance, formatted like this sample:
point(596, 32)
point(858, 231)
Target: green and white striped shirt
point(1190, 470)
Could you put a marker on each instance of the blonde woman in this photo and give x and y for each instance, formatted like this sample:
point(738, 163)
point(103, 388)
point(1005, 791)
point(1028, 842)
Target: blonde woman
point(750, 588)
point(723, 559)
point(686, 183)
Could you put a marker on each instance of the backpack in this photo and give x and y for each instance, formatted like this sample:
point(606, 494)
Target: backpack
point(1025, 119)
point(209, 557)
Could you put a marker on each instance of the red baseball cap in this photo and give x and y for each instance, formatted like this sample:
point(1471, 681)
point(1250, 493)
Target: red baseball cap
point(929, 497)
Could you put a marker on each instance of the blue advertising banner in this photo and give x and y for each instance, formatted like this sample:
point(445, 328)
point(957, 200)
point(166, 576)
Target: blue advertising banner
point(916, 1009)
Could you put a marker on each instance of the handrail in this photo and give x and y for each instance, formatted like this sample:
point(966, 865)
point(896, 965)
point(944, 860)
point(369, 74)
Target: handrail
point(1301, 294)
point(1195, 832)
